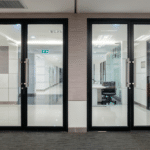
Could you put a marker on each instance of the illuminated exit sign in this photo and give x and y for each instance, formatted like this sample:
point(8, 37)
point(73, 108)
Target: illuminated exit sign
point(45, 51)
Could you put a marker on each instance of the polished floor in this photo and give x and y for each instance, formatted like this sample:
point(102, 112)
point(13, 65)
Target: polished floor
point(135, 140)
point(51, 115)
point(46, 109)
point(109, 115)
point(116, 115)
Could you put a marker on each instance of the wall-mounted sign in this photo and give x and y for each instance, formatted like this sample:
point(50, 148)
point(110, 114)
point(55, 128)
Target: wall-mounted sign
point(45, 51)
point(143, 64)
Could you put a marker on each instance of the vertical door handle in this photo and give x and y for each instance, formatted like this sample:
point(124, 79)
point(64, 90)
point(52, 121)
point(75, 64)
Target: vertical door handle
point(128, 72)
point(26, 72)
point(19, 72)
point(134, 73)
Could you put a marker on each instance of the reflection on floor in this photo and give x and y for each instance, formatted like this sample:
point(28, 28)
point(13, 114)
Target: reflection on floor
point(54, 99)
point(45, 115)
point(109, 115)
point(116, 115)
point(38, 115)
point(44, 109)
point(10, 115)
point(141, 116)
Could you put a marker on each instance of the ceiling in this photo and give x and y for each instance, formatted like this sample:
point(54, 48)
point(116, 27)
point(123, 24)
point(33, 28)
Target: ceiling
point(83, 6)
point(51, 6)
point(113, 6)
point(107, 37)
point(37, 34)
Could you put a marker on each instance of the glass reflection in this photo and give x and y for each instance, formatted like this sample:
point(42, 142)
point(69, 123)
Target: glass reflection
point(141, 75)
point(45, 96)
point(109, 91)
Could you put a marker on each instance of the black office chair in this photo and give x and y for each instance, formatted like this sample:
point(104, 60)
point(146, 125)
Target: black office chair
point(108, 92)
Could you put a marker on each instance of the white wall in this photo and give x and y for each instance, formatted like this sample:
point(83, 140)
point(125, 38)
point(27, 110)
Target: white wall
point(97, 68)
point(9, 81)
point(43, 74)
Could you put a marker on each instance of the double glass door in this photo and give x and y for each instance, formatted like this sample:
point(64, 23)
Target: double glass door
point(33, 74)
point(118, 74)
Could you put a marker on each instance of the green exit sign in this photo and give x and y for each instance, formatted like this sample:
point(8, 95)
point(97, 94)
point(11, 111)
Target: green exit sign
point(45, 51)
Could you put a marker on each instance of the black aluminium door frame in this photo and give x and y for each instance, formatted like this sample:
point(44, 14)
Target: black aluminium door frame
point(24, 54)
point(137, 22)
point(91, 21)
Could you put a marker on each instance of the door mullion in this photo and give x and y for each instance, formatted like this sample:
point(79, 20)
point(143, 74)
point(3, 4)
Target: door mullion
point(23, 88)
point(131, 92)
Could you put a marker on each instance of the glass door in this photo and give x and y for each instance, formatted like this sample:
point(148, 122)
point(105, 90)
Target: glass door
point(45, 91)
point(141, 100)
point(47, 80)
point(34, 74)
point(10, 92)
point(108, 75)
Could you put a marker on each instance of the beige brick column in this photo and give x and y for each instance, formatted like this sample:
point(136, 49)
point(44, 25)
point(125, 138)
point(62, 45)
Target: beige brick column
point(77, 74)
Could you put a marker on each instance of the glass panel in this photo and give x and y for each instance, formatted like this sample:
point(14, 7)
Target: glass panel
point(45, 92)
point(10, 52)
point(142, 75)
point(109, 91)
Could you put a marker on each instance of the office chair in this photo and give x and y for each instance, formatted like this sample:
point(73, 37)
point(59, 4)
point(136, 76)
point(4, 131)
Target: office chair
point(108, 92)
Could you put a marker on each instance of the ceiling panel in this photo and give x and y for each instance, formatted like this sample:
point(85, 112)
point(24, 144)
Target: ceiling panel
point(51, 6)
point(113, 6)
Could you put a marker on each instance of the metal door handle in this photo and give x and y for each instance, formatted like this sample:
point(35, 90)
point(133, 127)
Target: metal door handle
point(128, 72)
point(19, 72)
point(26, 72)
point(134, 73)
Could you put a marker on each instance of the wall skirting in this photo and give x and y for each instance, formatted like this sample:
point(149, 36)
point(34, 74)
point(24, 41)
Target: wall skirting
point(77, 130)
point(47, 88)
point(9, 103)
point(140, 105)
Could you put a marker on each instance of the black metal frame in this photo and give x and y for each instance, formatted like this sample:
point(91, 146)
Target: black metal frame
point(24, 54)
point(137, 22)
point(130, 31)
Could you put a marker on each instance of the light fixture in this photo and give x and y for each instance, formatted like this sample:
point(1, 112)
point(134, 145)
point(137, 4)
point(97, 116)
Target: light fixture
point(143, 38)
point(52, 42)
point(17, 26)
point(104, 40)
point(55, 31)
point(9, 38)
point(32, 37)
point(116, 26)
point(108, 30)
point(103, 43)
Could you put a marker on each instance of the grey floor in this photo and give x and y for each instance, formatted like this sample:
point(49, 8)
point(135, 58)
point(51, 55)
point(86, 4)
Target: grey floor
point(135, 140)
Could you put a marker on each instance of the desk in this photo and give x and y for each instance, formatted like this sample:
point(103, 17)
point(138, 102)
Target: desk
point(96, 93)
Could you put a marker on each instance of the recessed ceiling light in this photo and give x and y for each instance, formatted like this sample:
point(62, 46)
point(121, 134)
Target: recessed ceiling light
point(108, 30)
point(143, 38)
point(55, 31)
point(33, 37)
